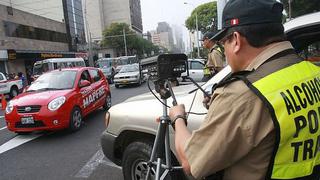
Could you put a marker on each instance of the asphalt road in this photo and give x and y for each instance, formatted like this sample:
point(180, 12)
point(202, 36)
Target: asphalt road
point(61, 155)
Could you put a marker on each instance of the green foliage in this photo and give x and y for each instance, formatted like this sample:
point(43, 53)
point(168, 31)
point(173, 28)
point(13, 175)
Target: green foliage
point(203, 53)
point(301, 7)
point(206, 13)
point(136, 45)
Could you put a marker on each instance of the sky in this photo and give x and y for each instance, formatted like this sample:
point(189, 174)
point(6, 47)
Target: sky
point(171, 11)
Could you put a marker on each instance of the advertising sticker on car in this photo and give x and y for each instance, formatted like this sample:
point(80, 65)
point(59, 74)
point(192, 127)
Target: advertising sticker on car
point(97, 94)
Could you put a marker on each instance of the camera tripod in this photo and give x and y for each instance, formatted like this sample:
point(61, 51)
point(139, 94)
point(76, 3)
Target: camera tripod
point(162, 140)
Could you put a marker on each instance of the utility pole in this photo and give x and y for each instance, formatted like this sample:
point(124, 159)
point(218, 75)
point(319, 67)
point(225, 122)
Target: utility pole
point(197, 29)
point(289, 9)
point(125, 42)
point(220, 6)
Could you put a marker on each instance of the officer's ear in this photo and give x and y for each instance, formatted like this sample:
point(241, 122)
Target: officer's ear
point(237, 42)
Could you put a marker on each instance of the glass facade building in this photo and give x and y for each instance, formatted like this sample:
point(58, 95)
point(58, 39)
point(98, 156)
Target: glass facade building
point(73, 16)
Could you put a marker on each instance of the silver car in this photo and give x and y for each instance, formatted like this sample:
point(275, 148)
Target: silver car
point(129, 74)
point(131, 129)
point(195, 68)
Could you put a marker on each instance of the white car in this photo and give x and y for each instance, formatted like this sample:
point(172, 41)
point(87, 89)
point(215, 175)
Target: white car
point(10, 86)
point(128, 74)
point(131, 128)
point(195, 68)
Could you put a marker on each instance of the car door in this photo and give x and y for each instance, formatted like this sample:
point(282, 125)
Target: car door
point(86, 93)
point(196, 70)
point(98, 85)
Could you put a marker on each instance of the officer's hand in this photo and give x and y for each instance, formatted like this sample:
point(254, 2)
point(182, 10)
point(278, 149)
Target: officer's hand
point(174, 111)
point(206, 102)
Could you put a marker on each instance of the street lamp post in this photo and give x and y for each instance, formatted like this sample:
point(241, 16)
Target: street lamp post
point(289, 9)
point(125, 42)
point(197, 29)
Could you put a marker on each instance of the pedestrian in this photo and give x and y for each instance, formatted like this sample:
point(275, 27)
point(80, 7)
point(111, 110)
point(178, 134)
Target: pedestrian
point(23, 79)
point(215, 57)
point(263, 120)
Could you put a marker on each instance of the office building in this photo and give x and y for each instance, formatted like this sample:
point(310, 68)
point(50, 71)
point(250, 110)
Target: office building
point(26, 37)
point(101, 14)
point(64, 11)
point(163, 36)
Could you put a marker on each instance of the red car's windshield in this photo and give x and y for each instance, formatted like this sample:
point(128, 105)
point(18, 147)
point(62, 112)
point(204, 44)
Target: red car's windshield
point(55, 80)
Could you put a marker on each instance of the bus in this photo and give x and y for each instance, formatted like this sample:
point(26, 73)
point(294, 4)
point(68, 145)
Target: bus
point(46, 65)
point(111, 66)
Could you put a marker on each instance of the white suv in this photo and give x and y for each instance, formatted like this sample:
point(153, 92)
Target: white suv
point(130, 132)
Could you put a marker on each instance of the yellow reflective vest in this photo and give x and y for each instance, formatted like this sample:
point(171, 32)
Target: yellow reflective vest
point(294, 104)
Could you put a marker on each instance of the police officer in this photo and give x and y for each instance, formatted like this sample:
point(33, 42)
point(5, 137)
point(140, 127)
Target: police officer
point(215, 57)
point(263, 121)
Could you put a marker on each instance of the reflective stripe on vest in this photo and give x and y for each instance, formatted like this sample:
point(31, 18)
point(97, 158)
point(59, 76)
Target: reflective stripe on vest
point(206, 70)
point(293, 96)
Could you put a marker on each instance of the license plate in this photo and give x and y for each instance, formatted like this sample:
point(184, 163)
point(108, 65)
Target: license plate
point(125, 81)
point(27, 120)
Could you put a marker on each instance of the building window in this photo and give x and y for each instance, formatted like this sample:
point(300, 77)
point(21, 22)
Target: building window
point(29, 32)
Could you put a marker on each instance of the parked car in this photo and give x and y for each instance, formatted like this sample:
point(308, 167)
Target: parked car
point(129, 74)
point(131, 126)
point(12, 87)
point(195, 68)
point(304, 34)
point(58, 99)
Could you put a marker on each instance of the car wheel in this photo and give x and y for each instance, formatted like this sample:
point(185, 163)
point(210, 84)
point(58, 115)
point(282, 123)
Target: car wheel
point(107, 103)
point(75, 119)
point(135, 159)
point(14, 92)
point(116, 85)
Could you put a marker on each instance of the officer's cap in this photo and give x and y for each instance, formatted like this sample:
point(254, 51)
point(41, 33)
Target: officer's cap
point(247, 12)
point(207, 35)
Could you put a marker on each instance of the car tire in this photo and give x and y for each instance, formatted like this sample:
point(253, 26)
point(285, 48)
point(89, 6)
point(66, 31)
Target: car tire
point(116, 85)
point(14, 92)
point(75, 119)
point(134, 162)
point(107, 103)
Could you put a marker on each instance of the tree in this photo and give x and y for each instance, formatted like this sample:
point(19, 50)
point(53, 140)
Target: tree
point(136, 45)
point(113, 36)
point(207, 17)
point(301, 7)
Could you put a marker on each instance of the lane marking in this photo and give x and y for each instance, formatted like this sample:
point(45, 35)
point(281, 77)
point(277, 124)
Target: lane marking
point(17, 141)
point(92, 164)
point(109, 163)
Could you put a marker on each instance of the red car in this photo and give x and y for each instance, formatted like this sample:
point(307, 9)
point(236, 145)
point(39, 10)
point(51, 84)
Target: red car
point(58, 99)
